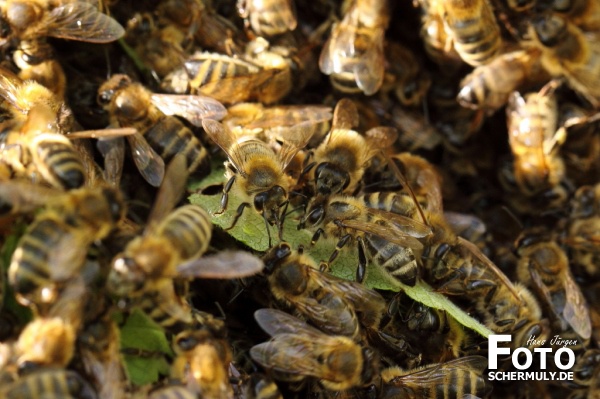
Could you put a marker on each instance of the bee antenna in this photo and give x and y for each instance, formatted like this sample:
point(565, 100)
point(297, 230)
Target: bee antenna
point(233, 298)
point(223, 315)
point(299, 194)
point(294, 210)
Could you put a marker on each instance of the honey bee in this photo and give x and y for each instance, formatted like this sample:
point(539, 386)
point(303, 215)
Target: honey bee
point(489, 86)
point(472, 28)
point(353, 55)
point(533, 139)
point(583, 229)
point(457, 378)
point(340, 160)
point(334, 305)
point(201, 363)
point(53, 249)
point(50, 383)
point(227, 79)
point(567, 52)
point(76, 20)
point(261, 387)
point(170, 248)
point(49, 339)
point(161, 47)
point(583, 13)
point(268, 18)
point(544, 266)
point(255, 173)
point(436, 39)
point(132, 105)
point(297, 351)
point(99, 349)
point(391, 239)
point(35, 145)
point(255, 118)
point(411, 83)
point(39, 64)
point(198, 19)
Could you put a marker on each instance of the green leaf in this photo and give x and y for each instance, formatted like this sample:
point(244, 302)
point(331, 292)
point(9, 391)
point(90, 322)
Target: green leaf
point(251, 230)
point(143, 370)
point(141, 332)
point(149, 363)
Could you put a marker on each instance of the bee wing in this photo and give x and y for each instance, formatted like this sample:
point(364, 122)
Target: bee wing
point(67, 256)
point(275, 322)
point(357, 294)
point(294, 139)
point(330, 313)
point(468, 248)
point(369, 72)
point(225, 139)
point(193, 108)
point(171, 189)
point(437, 374)
point(113, 151)
point(289, 115)
point(288, 353)
point(224, 265)
point(82, 21)
point(23, 195)
point(9, 83)
point(148, 162)
point(381, 137)
point(576, 312)
point(345, 115)
point(390, 233)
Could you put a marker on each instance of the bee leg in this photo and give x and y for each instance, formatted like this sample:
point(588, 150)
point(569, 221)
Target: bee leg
point(316, 236)
point(361, 270)
point(267, 227)
point(238, 213)
point(280, 224)
point(341, 243)
point(225, 197)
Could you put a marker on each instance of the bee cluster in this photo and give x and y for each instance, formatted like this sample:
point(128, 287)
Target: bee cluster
point(450, 146)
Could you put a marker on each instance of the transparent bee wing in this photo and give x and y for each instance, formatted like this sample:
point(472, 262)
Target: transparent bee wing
point(148, 162)
point(171, 189)
point(225, 139)
point(576, 311)
point(9, 88)
point(113, 151)
point(294, 139)
point(468, 248)
point(224, 265)
point(275, 322)
point(288, 353)
point(82, 21)
point(193, 108)
point(345, 115)
point(386, 232)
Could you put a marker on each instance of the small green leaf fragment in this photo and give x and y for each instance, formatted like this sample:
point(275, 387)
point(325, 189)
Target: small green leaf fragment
point(143, 370)
point(141, 332)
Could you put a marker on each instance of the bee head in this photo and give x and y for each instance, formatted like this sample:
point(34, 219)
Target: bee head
point(330, 179)
point(270, 202)
point(549, 29)
point(315, 214)
point(125, 277)
point(275, 256)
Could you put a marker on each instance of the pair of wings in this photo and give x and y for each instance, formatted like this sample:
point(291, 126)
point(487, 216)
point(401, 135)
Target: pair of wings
point(341, 54)
point(81, 21)
point(294, 139)
point(193, 108)
point(426, 381)
point(295, 347)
